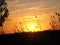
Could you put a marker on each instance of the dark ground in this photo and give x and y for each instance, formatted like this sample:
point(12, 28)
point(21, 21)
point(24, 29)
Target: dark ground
point(39, 38)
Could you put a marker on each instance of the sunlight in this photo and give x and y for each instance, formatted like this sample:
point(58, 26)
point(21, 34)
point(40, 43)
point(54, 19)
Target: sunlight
point(31, 27)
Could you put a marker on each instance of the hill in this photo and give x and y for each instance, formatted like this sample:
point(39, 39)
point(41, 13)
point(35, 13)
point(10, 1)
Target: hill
point(31, 38)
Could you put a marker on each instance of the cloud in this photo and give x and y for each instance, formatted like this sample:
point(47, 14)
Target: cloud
point(12, 1)
point(23, 7)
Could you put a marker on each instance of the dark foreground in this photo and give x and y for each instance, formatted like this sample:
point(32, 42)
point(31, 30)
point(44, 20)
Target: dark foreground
point(39, 38)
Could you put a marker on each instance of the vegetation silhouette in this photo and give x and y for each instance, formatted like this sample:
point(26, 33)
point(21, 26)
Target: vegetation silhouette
point(53, 23)
point(32, 38)
point(3, 12)
point(58, 14)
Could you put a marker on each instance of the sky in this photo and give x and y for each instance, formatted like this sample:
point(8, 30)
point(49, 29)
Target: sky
point(22, 8)
point(29, 7)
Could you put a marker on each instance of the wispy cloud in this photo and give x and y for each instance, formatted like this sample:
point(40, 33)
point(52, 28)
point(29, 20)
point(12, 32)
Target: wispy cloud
point(31, 6)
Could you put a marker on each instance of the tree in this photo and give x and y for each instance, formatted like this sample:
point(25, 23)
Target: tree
point(3, 12)
point(58, 14)
point(53, 22)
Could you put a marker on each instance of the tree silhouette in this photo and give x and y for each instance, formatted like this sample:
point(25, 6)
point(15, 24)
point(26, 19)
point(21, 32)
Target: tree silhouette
point(58, 14)
point(53, 22)
point(3, 12)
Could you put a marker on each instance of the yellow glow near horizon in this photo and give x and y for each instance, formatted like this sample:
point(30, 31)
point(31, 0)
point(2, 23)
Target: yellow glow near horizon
point(31, 27)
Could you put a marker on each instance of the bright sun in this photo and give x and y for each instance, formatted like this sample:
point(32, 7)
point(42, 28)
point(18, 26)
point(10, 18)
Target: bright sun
point(31, 27)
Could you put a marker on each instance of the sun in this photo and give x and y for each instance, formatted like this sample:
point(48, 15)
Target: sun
point(31, 27)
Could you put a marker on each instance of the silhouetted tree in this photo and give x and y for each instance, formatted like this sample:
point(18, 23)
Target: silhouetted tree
point(39, 26)
point(53, 23)
point(58, 14)
point(3, 12)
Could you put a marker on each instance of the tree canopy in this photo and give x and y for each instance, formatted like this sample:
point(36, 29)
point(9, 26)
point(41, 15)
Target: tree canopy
point(3, 11)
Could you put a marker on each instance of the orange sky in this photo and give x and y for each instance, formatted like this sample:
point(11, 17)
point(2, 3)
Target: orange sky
point(19, 9)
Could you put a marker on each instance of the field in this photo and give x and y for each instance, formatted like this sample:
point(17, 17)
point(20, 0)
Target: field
point(31, 38)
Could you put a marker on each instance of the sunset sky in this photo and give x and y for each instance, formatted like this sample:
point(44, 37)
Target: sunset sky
point(19, 9)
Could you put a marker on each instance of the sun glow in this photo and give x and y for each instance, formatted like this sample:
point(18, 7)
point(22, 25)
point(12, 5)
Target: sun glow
point(31, 27)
